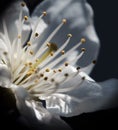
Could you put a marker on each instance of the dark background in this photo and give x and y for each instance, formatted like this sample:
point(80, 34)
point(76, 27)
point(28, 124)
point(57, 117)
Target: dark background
point(106, 23)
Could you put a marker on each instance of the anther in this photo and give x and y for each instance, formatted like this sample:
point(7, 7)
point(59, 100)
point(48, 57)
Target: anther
point(41, 75)
point(23, 4)
point(5, 53)
point(54, 71)
point(66, 64)
point(66, 74)
point(19, 36)
point(31, 52)
point(62, 52)
point(69, 35)
point(94, 61)
point(47, 70)
point(45, 78)
point(48, 44)
point(60, 70)
point(83, 78)
point(36, 34)
point(30, 63)
point(25, 18)
point(44, 13)
point(36, 81)
point(52, 80)
point(78, 68)
point(29, 43)
point(83, 40)
point(64, 21)
point(83, 49)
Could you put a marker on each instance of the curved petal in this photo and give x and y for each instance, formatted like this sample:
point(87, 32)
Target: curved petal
point(5, 76)
point(79, 15)
point(88, 97)
point(33, 111)
point(11, 21)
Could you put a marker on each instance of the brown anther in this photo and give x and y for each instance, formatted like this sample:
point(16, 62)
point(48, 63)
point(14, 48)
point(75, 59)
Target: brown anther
point(62, 52)
point(5, 53)
point(94, 61)
point(66, 74)
point(83, 49)
point(47, 70)
point(52, 80)
point(45, 78)
point(44, 13)
point(54, 71)
point(83, 40)
point(83, 78)
point(36, 81)
point(64, 21)
point(41, 75)
point(52, 53)
point(60, 70)
point(36, 34)
point(30, 63)
point(69, 35)
point(31, 52)
point(25, 18)
point(66, 63)
point(23, 4)
point(48, 44)
point(78, 68)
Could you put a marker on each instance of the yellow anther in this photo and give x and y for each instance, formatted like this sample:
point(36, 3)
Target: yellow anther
point(69, 35)
point(48, 44)
point(47, 70)
point(44, 13)
point(31, 52)
point(25, 18)
point(83, 40)
point(19, 36)
point(36, 81)
point(29, 43)
point(62, 52)
point(54, 71)
point(64, 21)
point(30, 63)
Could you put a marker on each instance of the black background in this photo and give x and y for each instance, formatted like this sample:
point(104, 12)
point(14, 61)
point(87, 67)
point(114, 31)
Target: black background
point(106, 23)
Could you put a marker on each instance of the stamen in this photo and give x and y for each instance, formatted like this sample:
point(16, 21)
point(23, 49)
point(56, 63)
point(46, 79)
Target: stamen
point(94, 61)
point(25, 18)
point(23, 4)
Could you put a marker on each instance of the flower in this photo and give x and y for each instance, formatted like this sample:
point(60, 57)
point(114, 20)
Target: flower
point(40, 57)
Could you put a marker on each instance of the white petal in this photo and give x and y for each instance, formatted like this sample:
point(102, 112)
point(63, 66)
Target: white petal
point(89, 97)
point(11, 18)
point(79, 17)
point(5, 76)
point(36, 115)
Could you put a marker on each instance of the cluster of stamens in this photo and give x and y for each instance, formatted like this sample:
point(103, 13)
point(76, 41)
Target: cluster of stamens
point(38, 69)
